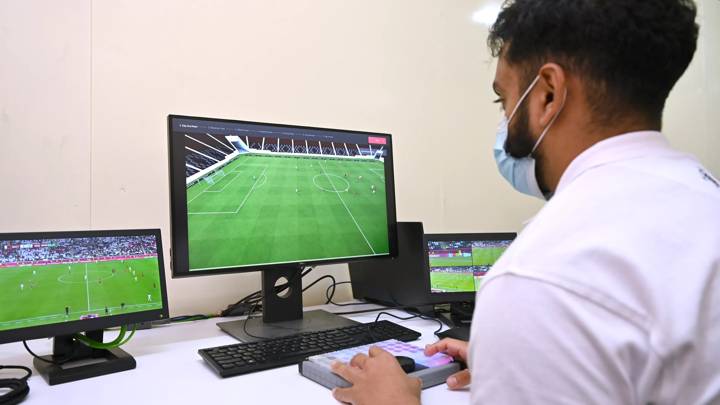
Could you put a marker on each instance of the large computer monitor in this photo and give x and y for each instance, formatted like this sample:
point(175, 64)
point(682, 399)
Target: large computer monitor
point(57, 284)
point(457, 263)
point(249, 196)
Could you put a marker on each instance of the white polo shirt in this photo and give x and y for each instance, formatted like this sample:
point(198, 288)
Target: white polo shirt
point(611, 295)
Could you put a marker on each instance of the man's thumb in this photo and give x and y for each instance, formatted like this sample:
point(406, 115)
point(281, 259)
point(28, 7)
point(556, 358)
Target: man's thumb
point(459, 379)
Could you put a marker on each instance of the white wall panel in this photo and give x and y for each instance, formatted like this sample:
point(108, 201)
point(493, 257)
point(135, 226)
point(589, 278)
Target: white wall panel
point(85, 88)
point(44, 115)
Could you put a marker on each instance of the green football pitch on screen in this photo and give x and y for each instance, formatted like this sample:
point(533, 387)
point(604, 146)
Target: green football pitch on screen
point(452, 282)
point(45, 294)
point(279, 209)
point(462, 281)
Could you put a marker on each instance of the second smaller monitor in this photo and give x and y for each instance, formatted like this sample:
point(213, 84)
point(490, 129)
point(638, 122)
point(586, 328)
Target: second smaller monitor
point(457, 263)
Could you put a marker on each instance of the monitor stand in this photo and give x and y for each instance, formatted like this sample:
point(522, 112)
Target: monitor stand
point(282, 310)
point(85, 362)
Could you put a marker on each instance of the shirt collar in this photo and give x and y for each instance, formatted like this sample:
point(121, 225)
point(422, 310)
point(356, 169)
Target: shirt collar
point(626, 146)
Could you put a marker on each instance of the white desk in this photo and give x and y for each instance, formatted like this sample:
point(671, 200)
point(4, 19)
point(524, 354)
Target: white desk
point(170, 371)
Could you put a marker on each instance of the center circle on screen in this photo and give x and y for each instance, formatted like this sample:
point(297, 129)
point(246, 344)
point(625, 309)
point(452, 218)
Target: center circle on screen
point(78, 278)
point(331, 190)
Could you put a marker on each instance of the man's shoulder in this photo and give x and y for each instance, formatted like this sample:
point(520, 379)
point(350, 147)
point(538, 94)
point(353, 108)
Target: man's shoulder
point(642, 196)
point(646, 179)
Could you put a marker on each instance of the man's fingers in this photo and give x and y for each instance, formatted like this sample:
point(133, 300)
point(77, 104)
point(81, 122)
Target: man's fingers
point(349, 373)
point(432, 349)
point(439, 346)
point(359, 360)
point(376, 351)
point(452, 347)
point(343, 395)
point(459, 380)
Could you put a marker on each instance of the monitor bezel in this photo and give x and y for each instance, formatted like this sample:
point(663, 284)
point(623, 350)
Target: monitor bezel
point(179, 255)
point(103, 322)
point(450, 297)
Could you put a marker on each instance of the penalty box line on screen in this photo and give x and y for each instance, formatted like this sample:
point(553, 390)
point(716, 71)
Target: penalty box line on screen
point(242, 204)
point(208, 187)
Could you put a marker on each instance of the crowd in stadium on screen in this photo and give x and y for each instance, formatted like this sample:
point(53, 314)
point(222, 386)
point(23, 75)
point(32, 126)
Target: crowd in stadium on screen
point(448, 245)
point(29, 251)
point(491, 243)
point(205, 150)
point(476, 270)
point(460, 245)
point(452, 269)
point(199, 161)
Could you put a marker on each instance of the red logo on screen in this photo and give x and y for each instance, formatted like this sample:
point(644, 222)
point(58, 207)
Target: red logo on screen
point(377, 140)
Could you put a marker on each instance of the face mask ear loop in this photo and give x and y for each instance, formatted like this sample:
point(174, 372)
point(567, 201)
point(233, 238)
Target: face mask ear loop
point(522, 98)
point(552, 121)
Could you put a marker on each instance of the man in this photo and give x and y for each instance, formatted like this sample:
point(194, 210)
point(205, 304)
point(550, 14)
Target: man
point(611, 295)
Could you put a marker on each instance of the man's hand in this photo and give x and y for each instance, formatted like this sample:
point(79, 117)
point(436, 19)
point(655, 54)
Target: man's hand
point(376, 379)
point(458, 350)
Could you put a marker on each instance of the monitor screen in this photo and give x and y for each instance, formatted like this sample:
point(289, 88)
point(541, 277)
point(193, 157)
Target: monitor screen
point(249, 195)
point(459, 266)
point(65, 278)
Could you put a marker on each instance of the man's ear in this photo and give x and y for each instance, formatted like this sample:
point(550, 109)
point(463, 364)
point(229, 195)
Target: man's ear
point(552, 90)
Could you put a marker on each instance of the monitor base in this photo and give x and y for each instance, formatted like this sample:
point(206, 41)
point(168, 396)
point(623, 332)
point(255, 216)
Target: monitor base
point(85, 362)
point(254, 329)
point(282, 310)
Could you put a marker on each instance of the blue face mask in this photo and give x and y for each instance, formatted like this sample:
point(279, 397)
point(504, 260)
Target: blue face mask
point(520, 172)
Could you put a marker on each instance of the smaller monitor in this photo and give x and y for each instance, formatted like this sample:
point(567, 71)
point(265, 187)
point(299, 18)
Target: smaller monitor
point(457, 263)
point(58, 284)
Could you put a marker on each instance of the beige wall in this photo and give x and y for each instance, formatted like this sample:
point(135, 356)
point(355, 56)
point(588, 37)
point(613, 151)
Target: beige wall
point(85, 88)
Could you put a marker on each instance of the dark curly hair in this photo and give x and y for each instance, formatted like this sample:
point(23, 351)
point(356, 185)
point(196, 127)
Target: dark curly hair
point(629, 53)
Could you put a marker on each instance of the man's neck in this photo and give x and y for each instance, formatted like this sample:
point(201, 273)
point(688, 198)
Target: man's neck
point(557, 153)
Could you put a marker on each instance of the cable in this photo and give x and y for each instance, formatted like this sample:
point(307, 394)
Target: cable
point(188, 318)
point(397, 306)
point(362, 311)
point(330, 296)
point(56, 362)
point(119, 340)
point(318, 280)
point(247, 320)
point(18, 387)
point(411, 317)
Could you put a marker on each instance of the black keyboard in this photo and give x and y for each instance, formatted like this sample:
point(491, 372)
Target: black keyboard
point(243, 358)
